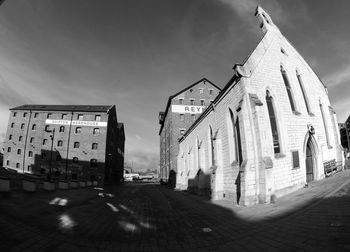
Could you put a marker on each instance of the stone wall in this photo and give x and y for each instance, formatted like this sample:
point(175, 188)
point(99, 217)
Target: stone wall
point(262, 174)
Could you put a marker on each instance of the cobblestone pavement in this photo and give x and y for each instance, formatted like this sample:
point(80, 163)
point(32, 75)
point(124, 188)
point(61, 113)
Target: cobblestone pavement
point(147, 217)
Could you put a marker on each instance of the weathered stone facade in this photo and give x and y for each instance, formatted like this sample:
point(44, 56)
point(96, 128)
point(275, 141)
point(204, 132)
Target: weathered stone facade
point(267, 133)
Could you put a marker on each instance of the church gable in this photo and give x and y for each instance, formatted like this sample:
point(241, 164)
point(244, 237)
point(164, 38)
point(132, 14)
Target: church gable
point(268, 132)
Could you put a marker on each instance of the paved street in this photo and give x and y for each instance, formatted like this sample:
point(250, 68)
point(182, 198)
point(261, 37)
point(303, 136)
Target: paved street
point(147, 217)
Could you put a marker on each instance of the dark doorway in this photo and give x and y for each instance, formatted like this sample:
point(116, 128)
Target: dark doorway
point(310, 161)
point(238, 187)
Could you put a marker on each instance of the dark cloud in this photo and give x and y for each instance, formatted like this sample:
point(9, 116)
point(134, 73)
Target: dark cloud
point(135, 54)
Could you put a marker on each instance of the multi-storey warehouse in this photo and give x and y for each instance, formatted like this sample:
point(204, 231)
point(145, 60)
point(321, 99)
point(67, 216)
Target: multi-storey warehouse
point(343, 130)
point(270, 131)
point(182, 109)
point(345, 134)
point(66, 141)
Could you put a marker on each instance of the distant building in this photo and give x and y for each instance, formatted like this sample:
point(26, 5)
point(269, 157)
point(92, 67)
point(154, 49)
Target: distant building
point(66, 141)
point(182, 109)
point(269, 131)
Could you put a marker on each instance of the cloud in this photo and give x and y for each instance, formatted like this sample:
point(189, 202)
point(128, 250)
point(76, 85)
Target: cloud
point(9, 96)
point(242, 7)
point(245, 10)
point(338, 77)
point(342, 109)
point(142, 160)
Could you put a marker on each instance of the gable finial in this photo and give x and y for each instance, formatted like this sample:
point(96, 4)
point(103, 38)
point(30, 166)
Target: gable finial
point(266, 23)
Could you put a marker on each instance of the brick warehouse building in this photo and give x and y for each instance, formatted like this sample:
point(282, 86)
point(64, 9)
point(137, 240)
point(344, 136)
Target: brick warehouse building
point(66, 141)
point(181, 111)
point(343, 131)
point(269, 131)
point(345, 134)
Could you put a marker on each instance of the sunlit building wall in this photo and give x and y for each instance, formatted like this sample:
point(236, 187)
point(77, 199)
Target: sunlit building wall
point(270, 131)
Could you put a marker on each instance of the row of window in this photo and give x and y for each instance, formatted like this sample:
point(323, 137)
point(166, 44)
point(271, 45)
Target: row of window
point(95, 131)
point(59, 143)
point(80, 117)
point(201, 91)
point(274, 124)
point(290, 91)
point(182, 117)
point(235, 144)
point(93, 162)
point(272, 114)
point(76, 145)
point(192, 101)
point(234, 134)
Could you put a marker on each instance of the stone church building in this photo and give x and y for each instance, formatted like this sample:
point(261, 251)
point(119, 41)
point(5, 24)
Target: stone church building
point(268, 132)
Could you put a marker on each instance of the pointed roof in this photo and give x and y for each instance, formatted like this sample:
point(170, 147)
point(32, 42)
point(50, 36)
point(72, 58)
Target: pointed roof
point(181, 91)
point(250, 63)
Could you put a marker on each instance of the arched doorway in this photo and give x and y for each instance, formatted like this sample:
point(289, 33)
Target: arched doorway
point(310, 160)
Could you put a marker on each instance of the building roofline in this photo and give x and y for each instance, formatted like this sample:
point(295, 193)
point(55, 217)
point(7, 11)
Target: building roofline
point(231, 83)
point(236, 77)
point(183, 90)
point(70, 108)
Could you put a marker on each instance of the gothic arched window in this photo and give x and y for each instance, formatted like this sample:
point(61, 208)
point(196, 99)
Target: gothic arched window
point(237, 138)
point(211, 148)
point(273, 123)
point(304, 93)
point(288, 88)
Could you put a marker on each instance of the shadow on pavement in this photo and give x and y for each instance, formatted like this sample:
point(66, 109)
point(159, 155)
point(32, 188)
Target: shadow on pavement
point(145, 217)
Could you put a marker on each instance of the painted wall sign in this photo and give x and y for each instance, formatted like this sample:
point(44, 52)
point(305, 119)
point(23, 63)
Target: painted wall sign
point(185, 109)
point(76, 123)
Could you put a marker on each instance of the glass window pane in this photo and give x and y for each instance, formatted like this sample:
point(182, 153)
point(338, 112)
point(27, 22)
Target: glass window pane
point(273, 123)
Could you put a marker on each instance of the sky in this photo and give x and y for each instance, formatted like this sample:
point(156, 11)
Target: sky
point(136, 53)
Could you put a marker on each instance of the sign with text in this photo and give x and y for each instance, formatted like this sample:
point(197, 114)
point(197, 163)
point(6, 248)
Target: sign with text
point(183, 109)
point(76, 123)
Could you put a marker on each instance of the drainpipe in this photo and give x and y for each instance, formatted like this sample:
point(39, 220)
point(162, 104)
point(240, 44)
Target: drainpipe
point(25, 141)
point(70, 128)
